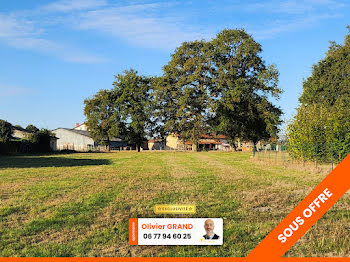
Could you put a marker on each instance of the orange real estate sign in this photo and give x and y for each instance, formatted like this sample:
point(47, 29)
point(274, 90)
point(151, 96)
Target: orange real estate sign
point(306, 213)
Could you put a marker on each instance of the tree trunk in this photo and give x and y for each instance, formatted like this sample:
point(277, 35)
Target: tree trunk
point(233, 144)
point(108, 149)
point(138, 147)
point(164, 139)
point(254, 147)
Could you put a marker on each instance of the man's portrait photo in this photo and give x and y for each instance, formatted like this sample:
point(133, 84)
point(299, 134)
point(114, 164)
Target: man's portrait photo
point(209, 229)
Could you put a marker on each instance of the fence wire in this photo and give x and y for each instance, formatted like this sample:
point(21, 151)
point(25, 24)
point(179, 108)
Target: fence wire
point(316, 153)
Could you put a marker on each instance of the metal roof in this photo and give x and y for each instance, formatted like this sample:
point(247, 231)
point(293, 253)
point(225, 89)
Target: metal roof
point(86, 133)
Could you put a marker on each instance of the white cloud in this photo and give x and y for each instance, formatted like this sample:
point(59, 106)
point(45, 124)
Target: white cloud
point(147, 25)
point(291, 15)
point(22, 34)
point(293, 6)
point(138, 28)
point(12, 27)
point(83, 58)
point(8, 90)
point(150, 25)
point(283, 26)
point(73, 5)
point(139, 24)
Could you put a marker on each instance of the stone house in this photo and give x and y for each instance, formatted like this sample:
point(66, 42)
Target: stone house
point(20, 133)
point(23, 134)
point(209, 142)
point(206, 142)
point(82, 126)
point(156, 144)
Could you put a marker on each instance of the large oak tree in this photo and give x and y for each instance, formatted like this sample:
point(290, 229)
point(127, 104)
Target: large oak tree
point(182, 94)
point(220, 86)
point(124, 111)
point(243, 86)
point(103, 117)
point(132, 93)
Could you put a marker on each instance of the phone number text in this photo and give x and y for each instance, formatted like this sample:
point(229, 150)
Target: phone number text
point(167, 236)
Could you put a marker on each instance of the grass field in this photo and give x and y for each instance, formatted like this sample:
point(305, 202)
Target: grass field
point(79, 204)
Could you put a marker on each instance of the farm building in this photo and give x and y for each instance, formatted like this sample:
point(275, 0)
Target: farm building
point(245, 145)
point(72, 139)
point(156, 144)
point(82, 126)
point(20, 133)
point(206, 142)
point(80, 140)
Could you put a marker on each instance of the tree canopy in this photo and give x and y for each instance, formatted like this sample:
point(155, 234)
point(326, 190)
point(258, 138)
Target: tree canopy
point(132, 93)
point(243, 85)
point(184, 92)
point(123, 112)
point(5, 131)
point(32, 128)
point(323, 117)
point(103, 117)
point(220, 86)
point(40, 140)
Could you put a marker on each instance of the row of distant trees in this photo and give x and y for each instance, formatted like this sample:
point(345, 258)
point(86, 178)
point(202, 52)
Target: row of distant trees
point(37, 140)
point(322, 123)
point(220, 86)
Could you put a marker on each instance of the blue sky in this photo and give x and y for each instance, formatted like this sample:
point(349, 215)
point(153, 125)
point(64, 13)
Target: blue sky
point(55, 54)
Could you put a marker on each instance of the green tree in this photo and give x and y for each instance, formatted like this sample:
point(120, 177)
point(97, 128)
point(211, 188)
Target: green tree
point(132, 99)
point(307, 130)
point(329, 83)
point(221, 86)
point(41, 140)
point(103, 117)
point(243, 85)
point(5, 131)
point(183, 92)
point(32, 128)
point(323, 117)
point(162, 110)
point(124, 111)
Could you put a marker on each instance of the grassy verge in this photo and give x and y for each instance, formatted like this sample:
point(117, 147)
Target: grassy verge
point(79, 204)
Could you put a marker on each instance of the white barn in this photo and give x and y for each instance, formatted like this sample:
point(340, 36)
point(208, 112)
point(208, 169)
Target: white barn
point(72, 139)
